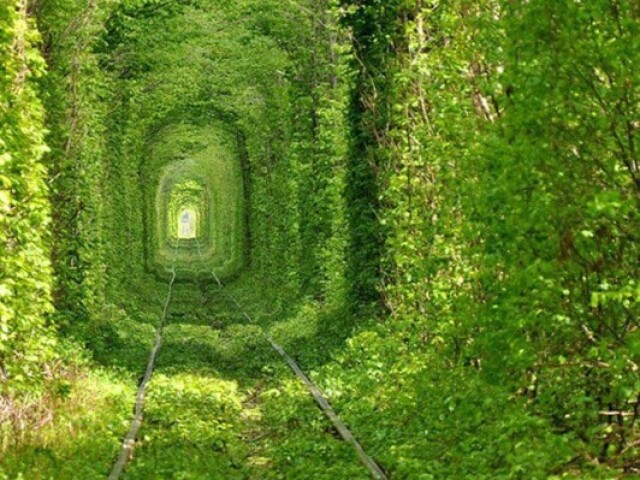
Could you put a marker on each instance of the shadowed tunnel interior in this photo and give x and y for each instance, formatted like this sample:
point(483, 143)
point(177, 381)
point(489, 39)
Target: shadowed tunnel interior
point(196, 207)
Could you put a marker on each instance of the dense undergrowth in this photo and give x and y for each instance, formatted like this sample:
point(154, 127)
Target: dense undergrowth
point(432, 205)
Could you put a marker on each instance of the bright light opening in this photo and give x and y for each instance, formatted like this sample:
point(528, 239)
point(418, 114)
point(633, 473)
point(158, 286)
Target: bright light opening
point(187, 221)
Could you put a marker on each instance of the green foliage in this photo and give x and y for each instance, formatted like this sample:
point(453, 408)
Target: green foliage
point(26, 340)
point(436, 204)
point(190, 428)
point(426, 422)
point(77, 434)
point(73, 92)
point(375, 26)
point(507, 203)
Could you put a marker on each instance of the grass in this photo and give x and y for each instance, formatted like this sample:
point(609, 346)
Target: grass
point(81, 438)
point(221, 405)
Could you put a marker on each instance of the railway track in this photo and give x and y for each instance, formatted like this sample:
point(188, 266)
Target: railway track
point(125, 456)
point(136, 423)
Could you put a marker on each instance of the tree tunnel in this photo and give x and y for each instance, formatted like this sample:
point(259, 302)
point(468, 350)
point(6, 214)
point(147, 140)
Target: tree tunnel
point(417, 203)
point(194, 201)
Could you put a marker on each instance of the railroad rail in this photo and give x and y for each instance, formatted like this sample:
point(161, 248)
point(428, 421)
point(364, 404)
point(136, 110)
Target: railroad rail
point(130, 439)
point(368, 462)
point(128, 444)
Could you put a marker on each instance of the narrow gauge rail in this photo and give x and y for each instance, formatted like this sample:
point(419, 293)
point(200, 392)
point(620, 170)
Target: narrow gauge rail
point(128, 445)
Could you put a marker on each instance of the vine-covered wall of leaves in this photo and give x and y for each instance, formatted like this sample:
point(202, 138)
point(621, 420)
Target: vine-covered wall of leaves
point(504, 155)
point(26, 342)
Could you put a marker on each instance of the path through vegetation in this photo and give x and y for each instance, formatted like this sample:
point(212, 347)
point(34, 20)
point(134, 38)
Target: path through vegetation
point(206, 409)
